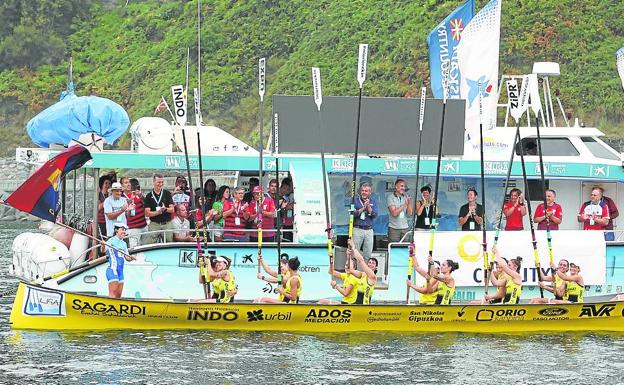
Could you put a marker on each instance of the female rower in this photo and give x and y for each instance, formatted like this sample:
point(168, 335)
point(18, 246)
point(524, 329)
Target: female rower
point(446, 282)
point(500, 292)
point(559, 287)
point(368, 277)
point(348, 289)
point(223, 281)
point(511, 279)
point(290, 289)
point(574, 285)
point(428, 291)
point(117, 251)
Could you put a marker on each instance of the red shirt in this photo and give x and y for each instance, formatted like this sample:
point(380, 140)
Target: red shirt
point(268, 221)
point(553, 209)
point(600, 210)
point(236, 228)
point(136, 221)
point(514, 221)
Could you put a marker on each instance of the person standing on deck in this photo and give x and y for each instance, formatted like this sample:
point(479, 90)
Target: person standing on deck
point(365, 213)
point(181, 225)
point(399, 208)
point(117, 254)
point(554, 213)
point(471, 214)
point(104, 183)
point(135, 218)
point(514, 211)
point(424, 209)
point(234, 217)
point(115, 209)
point(594, 214)
point(287, 207)
point(181, 195)
point(158, 208)
point(613, 213)
point(264, 203)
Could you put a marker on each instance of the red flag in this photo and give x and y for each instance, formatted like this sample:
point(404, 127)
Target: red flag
point(161, 106)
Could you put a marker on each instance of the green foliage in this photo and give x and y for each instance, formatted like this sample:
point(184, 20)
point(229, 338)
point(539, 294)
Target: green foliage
point(133, 54)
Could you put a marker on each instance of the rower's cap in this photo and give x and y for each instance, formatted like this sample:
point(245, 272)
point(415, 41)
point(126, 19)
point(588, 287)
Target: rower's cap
point(116, 186)
point(121, 225)
point(221, 259)
point(257, 189)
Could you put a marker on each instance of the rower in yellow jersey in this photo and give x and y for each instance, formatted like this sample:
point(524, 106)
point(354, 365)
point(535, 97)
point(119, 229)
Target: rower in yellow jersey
point(290, 289)
point(559, 286)
point(368, 277)
point(497, 297)
point(348, 289)
point(574, 285)
point(223, 281)
point(511, 279)
point(428, 291)
point(446, 282)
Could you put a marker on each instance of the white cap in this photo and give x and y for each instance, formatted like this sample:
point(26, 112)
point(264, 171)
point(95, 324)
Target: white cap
point(116, 186)
point(221, 259)
point(121, 225)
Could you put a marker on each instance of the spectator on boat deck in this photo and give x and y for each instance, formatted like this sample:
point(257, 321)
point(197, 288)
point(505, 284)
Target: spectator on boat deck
point(273, 190)
point(594, 214)
point(210, 193)
point(117, 251)
point(471, 214)
point(399, 208)
point(234, 215)
point(514, 210)
point(287, 207)
point(181, 225)
point(424, 209)
point(181, 195)
point(218, 222)
point(613, 213)
point(104, 183)
point(365, 212)
point(253, 182)
point(135, 219)
point(268, 216)
point(554, 213)
point(158, 208)
point(115, 209)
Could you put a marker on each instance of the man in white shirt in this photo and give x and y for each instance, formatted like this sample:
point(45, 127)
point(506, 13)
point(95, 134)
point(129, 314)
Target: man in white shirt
point(181, 225)
point(399, 208)
point(115, 208)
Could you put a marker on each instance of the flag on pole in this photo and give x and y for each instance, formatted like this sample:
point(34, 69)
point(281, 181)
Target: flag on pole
point(620, 63)
point(161, 106)
point(478, 63)
point(39, 194)
point(442, 42)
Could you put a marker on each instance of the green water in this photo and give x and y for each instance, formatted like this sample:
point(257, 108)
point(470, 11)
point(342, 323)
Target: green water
point(202, 357)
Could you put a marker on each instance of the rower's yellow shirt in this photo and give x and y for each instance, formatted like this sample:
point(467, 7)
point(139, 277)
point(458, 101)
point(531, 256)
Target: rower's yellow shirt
point(512, 291)
point(221, 288)
point(288, 288)
point(349, 279)
point(574, 292)
point(428, 299)
point(559, 283)
point(365, 290)
point(444, 294)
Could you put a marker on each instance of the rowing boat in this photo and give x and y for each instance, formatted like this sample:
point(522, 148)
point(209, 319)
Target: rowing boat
point(36, 307)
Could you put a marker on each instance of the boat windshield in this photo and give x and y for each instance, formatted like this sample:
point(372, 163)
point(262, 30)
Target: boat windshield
point(550, 147)
point(598, 149)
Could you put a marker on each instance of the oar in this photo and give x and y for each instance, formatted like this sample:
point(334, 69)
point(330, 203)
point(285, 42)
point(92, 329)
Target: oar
point(486, 267)
point(203, 211)
point(261, 83)
point(361, 77)
point(278, 209)
point(536, 106)
point(434, 223)
point(201, 261)
point(412, 246)
point(318, 100)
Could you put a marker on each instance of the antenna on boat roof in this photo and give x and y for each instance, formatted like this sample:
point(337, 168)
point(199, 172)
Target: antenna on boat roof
point(198, 117)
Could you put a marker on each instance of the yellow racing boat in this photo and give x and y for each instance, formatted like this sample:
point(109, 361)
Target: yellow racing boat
point(40, 308)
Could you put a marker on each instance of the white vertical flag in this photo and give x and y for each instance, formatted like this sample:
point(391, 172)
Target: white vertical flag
point(478, 62)
point(620, 63)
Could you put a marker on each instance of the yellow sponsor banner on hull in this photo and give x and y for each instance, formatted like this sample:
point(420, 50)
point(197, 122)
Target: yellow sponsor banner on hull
point(39, 308)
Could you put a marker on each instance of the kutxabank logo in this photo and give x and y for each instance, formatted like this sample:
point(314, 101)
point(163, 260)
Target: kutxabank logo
point(255, 315)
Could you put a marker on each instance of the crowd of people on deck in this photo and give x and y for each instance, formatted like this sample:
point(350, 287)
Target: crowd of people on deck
point(229, 214)
point(124, 211)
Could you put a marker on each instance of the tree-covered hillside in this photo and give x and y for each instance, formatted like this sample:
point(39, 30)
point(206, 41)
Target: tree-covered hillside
point(132, 54)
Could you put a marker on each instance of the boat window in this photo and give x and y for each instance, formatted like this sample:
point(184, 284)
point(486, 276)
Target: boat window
point(598, 149)
point(550, 147)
